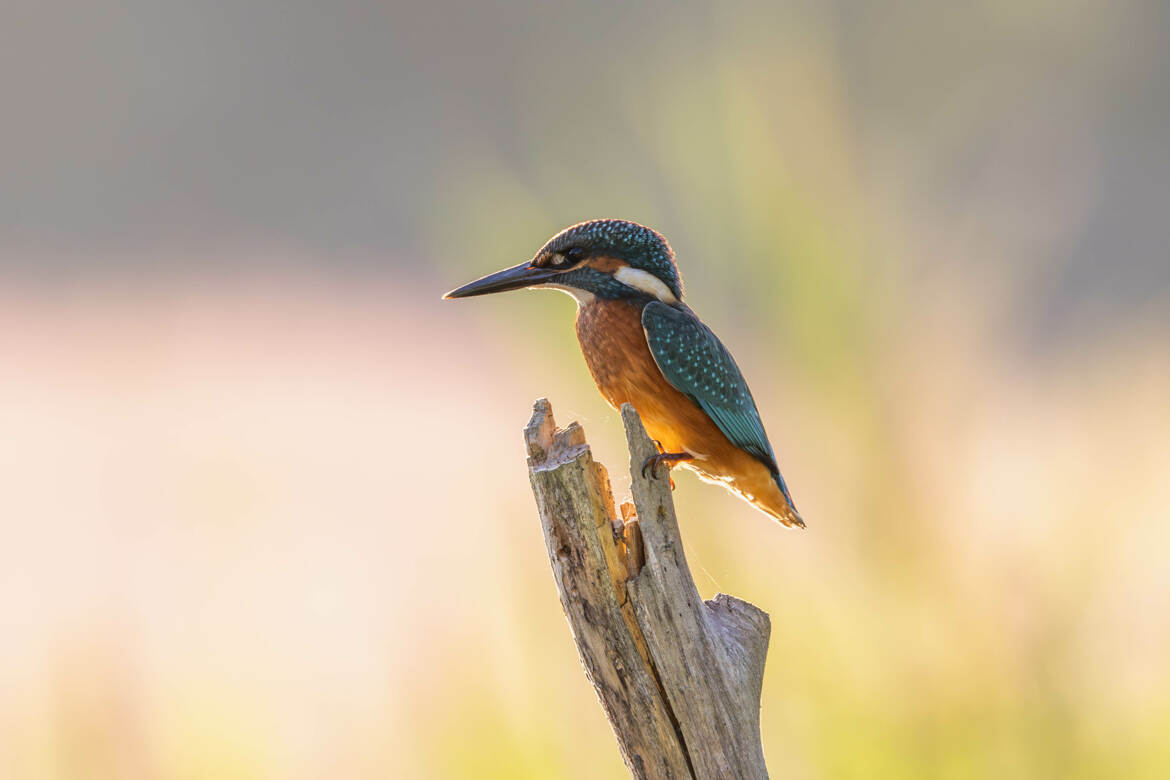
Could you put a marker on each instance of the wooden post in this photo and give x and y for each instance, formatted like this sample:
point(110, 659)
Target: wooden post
point(679, 678)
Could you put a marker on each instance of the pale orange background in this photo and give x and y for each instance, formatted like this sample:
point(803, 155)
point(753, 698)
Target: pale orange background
point(263, 503)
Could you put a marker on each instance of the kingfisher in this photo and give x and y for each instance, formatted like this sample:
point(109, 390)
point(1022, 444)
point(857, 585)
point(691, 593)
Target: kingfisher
point(645, 347)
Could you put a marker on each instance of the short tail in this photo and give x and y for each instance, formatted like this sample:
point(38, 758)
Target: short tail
point(785, 513)
point(759, 485)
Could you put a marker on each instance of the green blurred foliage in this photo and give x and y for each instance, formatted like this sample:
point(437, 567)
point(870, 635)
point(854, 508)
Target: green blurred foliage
point(869, 204)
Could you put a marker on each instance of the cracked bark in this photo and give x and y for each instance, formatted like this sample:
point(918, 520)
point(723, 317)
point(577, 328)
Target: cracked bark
point(679, 678)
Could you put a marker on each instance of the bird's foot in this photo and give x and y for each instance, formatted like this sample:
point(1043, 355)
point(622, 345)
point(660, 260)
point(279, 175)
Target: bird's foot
point(671, 459)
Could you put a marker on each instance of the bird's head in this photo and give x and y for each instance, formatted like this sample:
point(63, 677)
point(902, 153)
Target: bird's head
point(602, 258)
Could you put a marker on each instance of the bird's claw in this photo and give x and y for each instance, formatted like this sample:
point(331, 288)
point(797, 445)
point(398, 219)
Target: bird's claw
point(669, 458)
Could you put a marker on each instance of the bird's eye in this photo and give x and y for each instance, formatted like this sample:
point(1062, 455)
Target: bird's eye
point(563, 259)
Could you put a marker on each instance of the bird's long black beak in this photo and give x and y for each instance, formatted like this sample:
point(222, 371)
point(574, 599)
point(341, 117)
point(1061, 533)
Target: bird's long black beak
point(514, 278)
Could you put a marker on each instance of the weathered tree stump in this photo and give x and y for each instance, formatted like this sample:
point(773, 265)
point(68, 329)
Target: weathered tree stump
point(679, 678)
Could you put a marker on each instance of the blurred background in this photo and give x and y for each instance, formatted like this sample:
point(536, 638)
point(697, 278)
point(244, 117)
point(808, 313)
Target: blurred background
point(263, 501)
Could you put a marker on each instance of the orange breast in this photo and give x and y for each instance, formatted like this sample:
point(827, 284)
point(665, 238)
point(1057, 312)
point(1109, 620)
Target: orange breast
point(615, 349)
point(614, 345)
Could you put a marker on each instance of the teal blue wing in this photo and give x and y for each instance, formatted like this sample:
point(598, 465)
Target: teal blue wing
point(697, 364)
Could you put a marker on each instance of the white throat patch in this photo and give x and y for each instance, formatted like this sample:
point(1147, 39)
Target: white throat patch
point(583, 297)
point(645, 282)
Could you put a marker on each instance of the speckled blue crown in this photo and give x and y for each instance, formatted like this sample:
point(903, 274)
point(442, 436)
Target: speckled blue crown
point(636, 244)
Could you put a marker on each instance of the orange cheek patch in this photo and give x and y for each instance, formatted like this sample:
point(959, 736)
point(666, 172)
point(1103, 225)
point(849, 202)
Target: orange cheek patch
point(606, 264)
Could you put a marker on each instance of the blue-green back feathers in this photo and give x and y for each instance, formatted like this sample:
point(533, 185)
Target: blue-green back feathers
point(697, 364)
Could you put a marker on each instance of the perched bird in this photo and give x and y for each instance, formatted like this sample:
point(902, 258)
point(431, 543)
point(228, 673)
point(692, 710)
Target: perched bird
point(644, 346)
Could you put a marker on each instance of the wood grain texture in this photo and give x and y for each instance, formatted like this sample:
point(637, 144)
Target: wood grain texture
point(679, 678)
